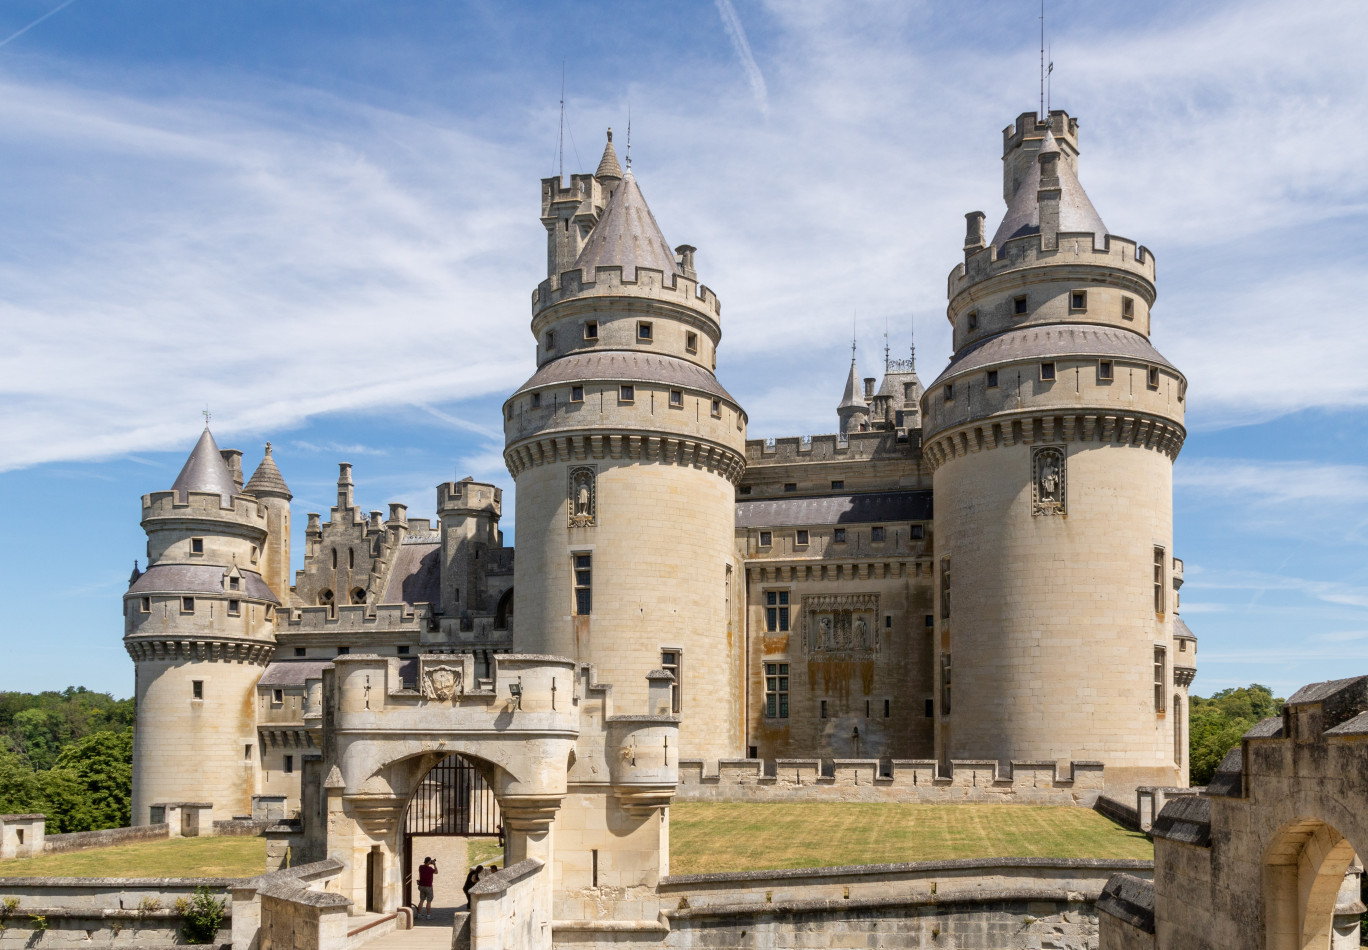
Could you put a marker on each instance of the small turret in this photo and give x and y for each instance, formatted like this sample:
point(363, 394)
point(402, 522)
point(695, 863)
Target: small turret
point(268, 485)
point(853, 410)
point(609, 171)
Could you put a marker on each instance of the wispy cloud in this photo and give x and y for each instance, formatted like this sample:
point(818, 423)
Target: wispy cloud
point(1329, 592)
point(737, 34)
point(1276, 483)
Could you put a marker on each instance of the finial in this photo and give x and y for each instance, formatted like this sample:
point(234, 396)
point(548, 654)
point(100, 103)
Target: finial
point(610, 133)
point(853, 318)
point(913, 354)
point(268, 448)
point(629, 136)
point(885, 344)
point(207, 415)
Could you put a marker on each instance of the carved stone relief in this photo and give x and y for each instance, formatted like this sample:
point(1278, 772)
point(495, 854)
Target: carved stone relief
point(441, 683)
point(583, 496)
point(1047, 480)
point(840, 624)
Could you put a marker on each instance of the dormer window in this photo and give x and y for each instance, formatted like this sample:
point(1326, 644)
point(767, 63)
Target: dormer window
point(235, 583)
point(196, 545)
point(591, 330)
point(644, 331)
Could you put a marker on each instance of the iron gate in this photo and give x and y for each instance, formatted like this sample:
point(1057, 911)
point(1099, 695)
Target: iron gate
point(452, 799)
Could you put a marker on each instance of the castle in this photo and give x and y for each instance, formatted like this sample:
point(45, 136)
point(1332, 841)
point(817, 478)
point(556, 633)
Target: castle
point(809, 596)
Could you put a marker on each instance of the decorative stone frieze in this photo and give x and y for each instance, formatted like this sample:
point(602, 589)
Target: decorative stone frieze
point(1150, 432)
point(633, 446)
point(222, 651)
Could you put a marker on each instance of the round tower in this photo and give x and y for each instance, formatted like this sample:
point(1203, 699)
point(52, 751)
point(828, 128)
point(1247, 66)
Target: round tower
point(626, 451)
point(268, 486)
point(853, 411)
point(198, 625)
point(1052, 436)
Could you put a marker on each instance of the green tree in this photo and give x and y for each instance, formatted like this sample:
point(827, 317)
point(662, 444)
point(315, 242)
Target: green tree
point(1216, 724)
point(101, 765)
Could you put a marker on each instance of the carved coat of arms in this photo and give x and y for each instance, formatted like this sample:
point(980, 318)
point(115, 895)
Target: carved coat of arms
point(441, 683)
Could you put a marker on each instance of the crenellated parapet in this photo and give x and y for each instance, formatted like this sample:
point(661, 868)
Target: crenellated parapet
point(651, 284)
point(1082, 252)
point(1134, 429)
point(163, 506)
point(356, 619)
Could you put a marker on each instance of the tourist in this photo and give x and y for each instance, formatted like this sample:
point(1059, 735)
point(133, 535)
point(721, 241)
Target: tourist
point(471, 879)
point(425, 875)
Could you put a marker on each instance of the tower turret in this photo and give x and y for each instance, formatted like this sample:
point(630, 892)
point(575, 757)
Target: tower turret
point(198, 624)
point(626, 451)
point(1052, 435)
point(468, 512)
point(268, 486)
point(853, 410)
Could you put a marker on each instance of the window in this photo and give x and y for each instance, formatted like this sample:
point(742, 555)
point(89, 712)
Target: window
point(334, 558)
point(930, 710)
point(888, 708)
point(247, 751)
point(343, 651)
point(626, 393)
point(838, 536)
point(671, 661)
point(584, 579)
point(402, 650)
point(1160, 667)
point(766, 539)
point(790, 486)
point(550, 340)
point(644, 331)
point(691, 342)
point(1154, 377)
point(536, 400)
point(776, 690)
point(196, 545)
point(591, 330)
point(1128, 308)
point(187, 605)
point(577, 394)
point(299, 651)
point(145, 605)
point(1047, 371)
point(1105, 372)
point(278, 696)
point(745, 489)
point(930, 621)
point(234, 583)
point(973, 319)
point(992, 379)
point(289, 765)
point(945, 588)
point(717, 408)
point(837, 484)
point(676, 399)
point(234, 608)
point(949, 392)
point(866, 709)
point(351, 552)
point(945, 684)
point(824, 709)
point(776, 611)
point(1078, 300)
point(876, 533)
point(197, 689)
point(917, 532)
point(801, 538)
point(888, 621)
point(254, 554)
point(1159, 580)
point(1018, 305)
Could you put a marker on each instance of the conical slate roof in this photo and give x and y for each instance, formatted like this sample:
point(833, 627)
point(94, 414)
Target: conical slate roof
point(1076, 211)
point(627, 236)
point(267, 480)
point(205, 470)
point(608, 165)
point(854, 395)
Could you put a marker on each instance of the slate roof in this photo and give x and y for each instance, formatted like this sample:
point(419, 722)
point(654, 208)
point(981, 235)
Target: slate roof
point(854, 395)
point(205, 470)
point(267, 478)
point(1026, 343)
point(1181, 629)
point(1129, 898)
point(1319, 692)
point(627, 236)
point(292, 672)
point(1076, 211)
point(198, 579)
point(627, 366)
point(865, 508)
point(608, 165)
point(416, 577)
point(1186, 819)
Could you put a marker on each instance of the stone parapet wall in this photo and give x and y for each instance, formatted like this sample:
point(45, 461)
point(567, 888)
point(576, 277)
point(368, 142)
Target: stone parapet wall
point(512, 908)
point(104, 838)
point(905, 780)
point(101, 912)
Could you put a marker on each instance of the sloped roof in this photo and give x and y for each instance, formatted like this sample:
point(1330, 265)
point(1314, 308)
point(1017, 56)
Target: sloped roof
point(416, 577)
point(1060, 340)
point(627, 236)
point(626, 366)
point(608, 165)
point(199, 579)
point(292, 672)
point(1076, 211)
point(864, 508)
point(854, 395)
point(267, 478)
point(206, 471)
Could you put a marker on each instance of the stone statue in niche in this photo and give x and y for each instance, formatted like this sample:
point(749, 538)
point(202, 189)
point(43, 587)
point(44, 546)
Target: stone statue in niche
point(1047, 481)
point(840, 625)
point(441, 683)
point(583, 496)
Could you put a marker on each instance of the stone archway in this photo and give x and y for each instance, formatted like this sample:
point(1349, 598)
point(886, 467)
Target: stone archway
point(1303, 869)
point(452, 803)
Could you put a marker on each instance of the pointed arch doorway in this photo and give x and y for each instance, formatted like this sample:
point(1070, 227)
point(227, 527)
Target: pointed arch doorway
point(454, 800)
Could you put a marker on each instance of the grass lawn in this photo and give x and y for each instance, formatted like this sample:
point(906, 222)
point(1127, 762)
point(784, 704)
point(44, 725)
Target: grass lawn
point(175, 857)
point(484, 851)
point(745, 836)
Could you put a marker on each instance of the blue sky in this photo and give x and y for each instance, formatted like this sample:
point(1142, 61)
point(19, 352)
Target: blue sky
point(320, 219)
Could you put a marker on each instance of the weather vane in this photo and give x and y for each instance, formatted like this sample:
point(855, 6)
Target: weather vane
point(205, 412)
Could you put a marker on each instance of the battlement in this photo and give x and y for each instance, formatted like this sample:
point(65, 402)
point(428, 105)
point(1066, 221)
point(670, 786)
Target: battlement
point(583, 187)
point(355, 618)
point(1063, 125)
point(1071, 250)
point(610, 282)
point(875, 444)
point(470, 495)
point(896, 780)
point(244, 509)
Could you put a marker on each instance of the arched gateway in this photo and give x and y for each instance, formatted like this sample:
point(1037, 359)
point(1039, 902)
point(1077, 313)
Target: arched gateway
point(544, 739)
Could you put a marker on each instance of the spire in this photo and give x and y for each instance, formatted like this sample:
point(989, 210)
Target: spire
point(205, 470)
point(609, 169)
point(854, 396)
point(1076, 211)
point(267, 480)
point(627, 236)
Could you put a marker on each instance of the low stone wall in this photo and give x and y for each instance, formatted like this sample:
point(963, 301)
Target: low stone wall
point(290, 909)
point(1117, 811)
point(902, 780)
point(512, 908)
point(102, 912)
point(241, 827)
point(85, 840)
